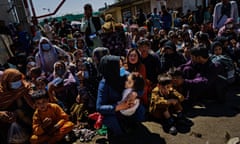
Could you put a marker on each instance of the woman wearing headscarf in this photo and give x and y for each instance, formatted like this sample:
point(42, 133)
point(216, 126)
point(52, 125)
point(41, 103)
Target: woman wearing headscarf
point(62, 87)
point(81, 44)
point(48, 54)
point(110, 93)
point(16, 101)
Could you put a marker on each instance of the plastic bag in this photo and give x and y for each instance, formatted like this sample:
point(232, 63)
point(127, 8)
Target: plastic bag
point(16, 134)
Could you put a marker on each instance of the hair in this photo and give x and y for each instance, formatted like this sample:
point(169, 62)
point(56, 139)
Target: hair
point(134, 67)
point(200, 51)
point(87, 6)
point(41, 79)
point(138, 81)
point(60, 62)
point(39, 94)
point(164, 79)
point(175, 72)
point(36, 70)
point(142, 42)
point(215, 44)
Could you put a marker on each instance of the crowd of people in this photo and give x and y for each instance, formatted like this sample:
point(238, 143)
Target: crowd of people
point(107, 73)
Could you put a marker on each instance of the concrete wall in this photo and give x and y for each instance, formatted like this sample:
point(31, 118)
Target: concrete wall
point(191, 4)
point(4, 15)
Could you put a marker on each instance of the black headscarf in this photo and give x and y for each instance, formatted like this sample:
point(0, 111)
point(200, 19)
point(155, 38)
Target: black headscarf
point(110, 70)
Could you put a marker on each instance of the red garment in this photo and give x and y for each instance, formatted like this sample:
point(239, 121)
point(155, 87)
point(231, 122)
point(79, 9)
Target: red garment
point(98, 118)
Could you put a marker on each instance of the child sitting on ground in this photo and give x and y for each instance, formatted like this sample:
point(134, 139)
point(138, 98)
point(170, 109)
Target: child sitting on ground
point(165, 101)
point(50, 122)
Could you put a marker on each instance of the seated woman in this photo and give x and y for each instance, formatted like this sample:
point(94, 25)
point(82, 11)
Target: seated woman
point(62, 88)
point(110, 93)
point(16, 101)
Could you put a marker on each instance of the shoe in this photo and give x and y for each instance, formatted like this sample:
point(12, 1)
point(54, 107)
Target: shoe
point(172, 130)
point(199, 106)
point(67, 138)
point(184, 121)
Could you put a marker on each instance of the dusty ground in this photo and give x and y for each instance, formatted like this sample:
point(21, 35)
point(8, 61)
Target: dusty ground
point(210, 125)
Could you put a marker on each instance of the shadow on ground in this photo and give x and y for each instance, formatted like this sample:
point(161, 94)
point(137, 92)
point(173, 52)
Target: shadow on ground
point(230, 108)
point(140, 135)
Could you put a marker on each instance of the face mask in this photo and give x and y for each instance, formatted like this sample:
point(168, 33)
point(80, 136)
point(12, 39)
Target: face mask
point(46, 47)
point(86, 75)
point(66, 63)
point(229, 26)
point(16, 85)
point(60, 72)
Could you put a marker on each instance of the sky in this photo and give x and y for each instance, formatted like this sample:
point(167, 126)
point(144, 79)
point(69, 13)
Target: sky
point(69, 6)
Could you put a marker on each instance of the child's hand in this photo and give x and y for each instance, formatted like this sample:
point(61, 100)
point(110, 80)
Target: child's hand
point(131, 98)
point(80, 75)
point(54, 129)
point(126, 104)
point(46, 122)
point(7, 116)
point(78, 98)
point(172, 101)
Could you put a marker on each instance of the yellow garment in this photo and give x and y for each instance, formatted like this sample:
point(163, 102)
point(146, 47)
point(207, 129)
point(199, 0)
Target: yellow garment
point(58, 117)
point(111, 26)
point(158, 102)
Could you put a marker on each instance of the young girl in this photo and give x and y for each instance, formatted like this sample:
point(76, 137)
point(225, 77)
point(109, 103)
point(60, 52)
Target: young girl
point(134, 88)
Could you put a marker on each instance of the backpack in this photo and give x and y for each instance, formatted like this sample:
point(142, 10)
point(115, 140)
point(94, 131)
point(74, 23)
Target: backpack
point(228, 65)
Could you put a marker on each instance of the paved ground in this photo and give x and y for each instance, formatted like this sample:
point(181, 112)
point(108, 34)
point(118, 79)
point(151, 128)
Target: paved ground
point(210, 125)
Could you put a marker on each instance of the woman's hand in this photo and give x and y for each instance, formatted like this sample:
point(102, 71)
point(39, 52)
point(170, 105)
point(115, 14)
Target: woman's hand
point(123, 105)
point(126, 104)
point(6, 116)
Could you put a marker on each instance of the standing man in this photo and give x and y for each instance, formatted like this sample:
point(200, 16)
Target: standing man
point(48, 30)
point(224, 10)
point(155, 19)
point(91, 26)
point(166, 19)
point(141, 18)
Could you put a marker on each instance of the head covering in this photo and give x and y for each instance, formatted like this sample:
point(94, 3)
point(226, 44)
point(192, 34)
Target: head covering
point(110, 70)
point(52, 50)
point(108, 17)
point(221, 39)
point(169, 45)
point(229, 20)
point(214, 44)
point(99, 52)
point(110, 25)
point(185, 26)
point(172, 34)
point(7, 95)
point(203, 36)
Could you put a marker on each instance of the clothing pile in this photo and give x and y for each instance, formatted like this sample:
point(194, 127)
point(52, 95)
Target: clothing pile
point(84, 134)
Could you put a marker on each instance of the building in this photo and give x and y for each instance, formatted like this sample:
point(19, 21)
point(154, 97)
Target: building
point(15, 11)
point(124, 9)
point(7, 15)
